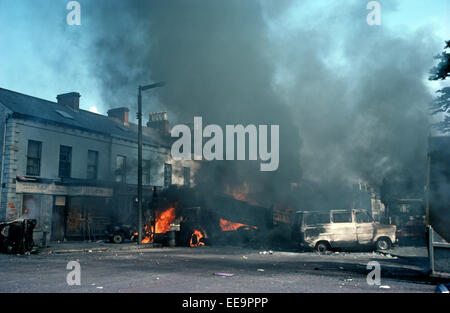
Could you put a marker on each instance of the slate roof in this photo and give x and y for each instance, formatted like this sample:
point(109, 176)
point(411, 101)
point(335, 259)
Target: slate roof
point(30, 107)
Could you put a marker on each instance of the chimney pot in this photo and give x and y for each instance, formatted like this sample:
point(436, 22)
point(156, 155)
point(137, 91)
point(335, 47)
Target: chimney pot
point(158, 120)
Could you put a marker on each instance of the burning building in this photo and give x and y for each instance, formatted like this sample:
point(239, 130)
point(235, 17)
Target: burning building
point(75, 171)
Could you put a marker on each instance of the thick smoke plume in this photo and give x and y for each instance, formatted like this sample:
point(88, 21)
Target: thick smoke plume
point(350, 99)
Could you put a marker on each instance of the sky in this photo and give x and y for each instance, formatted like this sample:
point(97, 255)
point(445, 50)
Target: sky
point(344, 93)
point(34, 37)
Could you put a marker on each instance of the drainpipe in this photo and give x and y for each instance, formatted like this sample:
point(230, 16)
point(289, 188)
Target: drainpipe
point(3, 161)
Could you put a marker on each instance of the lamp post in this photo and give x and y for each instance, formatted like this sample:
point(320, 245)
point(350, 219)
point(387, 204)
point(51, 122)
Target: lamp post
point(139, 117)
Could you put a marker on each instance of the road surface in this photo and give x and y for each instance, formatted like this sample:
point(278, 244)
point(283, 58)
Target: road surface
point(195, 270)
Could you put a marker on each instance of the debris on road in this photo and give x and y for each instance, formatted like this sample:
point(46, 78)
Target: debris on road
point(224, 274)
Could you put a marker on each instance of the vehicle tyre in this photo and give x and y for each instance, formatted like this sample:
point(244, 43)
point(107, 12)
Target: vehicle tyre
point(323, 247)
point(383, 244)
point(118, 238)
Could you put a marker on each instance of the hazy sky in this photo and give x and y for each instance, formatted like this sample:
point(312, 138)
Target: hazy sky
point(34, 37)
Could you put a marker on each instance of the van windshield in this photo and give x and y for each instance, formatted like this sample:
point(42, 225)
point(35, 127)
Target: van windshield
point(317, 218)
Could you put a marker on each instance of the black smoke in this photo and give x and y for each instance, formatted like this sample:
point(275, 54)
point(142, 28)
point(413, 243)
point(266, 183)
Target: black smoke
point(350, 98)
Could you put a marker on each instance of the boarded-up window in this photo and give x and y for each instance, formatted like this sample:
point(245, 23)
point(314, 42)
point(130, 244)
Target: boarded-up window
point(31, 207)
point(87, 217)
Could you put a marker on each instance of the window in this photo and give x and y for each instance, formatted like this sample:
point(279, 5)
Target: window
point(342, 217)
point(34, 158)
point(167, 175)
point(65, 161)
point(92, 164)
point(187, 176)
point(146, 172)
point(317, 218)
point(121, 169)
point(363, 217)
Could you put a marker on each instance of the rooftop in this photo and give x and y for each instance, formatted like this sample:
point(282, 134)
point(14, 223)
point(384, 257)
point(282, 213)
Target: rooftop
point(42, 110)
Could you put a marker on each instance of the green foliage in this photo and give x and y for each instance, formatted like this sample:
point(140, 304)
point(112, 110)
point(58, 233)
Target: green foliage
point(441, 104)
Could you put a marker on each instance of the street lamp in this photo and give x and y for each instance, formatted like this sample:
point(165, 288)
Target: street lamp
point(139, 117)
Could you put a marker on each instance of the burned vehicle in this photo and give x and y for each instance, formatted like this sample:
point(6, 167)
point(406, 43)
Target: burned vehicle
point(16, 237)
point(118, 233)
point(339, 229)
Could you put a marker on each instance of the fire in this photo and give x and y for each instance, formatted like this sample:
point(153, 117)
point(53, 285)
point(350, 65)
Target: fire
point(162, 225)
point(230, 226)
point(196, 238)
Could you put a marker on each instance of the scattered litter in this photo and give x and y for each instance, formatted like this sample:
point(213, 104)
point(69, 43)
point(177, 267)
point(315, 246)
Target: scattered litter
point(224, 274)
point(244, 257)
point(260, 270)
point(348, 279)
point(385, 287)
point(157, 278)
point(93, 284)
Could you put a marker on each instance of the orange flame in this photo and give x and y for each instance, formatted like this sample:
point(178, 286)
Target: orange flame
point(163, 221)
point(230, 226)
point(196, 239)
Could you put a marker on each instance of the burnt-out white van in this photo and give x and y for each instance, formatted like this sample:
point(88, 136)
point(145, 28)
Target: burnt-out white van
point(324, 231)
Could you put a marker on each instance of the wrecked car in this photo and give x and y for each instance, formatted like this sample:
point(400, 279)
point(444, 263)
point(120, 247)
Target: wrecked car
point(16, 237)
point(118, 233)
point(340, 229)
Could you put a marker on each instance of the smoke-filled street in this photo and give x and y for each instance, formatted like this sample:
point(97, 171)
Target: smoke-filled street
point(225, 146)
point(195, 270)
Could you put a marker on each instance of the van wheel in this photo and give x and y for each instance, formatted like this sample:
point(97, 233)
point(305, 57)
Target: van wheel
point(383, 244)
point(118, 238)
point(323, 247)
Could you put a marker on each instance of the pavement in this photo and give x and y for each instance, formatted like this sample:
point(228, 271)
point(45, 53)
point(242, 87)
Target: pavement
point(131, 268)
point(91, 246)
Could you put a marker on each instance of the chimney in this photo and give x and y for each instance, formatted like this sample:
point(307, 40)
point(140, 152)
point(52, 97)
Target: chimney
point(158, 120)
point(70, 100)
point(120, 114)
